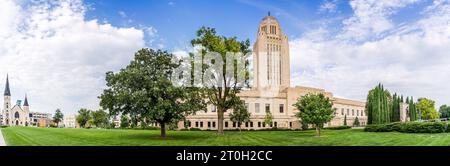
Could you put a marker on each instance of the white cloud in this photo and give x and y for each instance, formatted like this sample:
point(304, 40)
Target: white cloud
point(122, 14)
point(151, 31)
point(412, 60)
point(57, 57)
point(371, 18)
point(329, 6)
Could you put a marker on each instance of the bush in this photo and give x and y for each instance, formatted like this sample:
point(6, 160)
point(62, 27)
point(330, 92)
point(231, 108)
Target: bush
point(3, 126)
point(424, 127)
point(338, 127)
point(409, 127)
point(195, 129)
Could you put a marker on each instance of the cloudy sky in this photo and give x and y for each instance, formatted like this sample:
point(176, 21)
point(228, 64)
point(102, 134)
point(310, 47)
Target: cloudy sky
point(58, 51)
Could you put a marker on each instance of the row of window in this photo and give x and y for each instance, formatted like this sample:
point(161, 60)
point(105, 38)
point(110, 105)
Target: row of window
point(257, 107)
point(200, 124)
point(358, 112)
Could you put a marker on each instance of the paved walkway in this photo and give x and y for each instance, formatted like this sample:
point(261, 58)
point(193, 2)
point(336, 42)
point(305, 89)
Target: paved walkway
point(2, 141)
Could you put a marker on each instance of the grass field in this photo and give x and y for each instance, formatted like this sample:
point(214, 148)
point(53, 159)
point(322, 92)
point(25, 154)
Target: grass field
point(25, 136)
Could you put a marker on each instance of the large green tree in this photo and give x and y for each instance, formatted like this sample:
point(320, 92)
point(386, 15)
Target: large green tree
point(444, 111)
point(240, 114)
point(413, 112)
point(58, 117)
point(84, 115)
point(315, 109)
point(144, 89)
point(214, 57)
point(427, 109)
point(378, 106)
point(100, 118)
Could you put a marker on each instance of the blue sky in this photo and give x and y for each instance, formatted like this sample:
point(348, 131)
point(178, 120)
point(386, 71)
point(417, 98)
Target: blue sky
point(177, 21)
point(58, 51)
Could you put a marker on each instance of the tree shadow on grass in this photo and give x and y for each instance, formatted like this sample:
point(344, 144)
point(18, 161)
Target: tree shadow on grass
point(168, 137)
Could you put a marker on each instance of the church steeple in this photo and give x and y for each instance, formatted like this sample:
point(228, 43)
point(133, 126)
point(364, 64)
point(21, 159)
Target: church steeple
point(26, 101)
point(7, 91)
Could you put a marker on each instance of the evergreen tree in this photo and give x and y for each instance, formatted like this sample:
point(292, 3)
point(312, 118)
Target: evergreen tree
point(345, 120)
point(356, 122)
point(379, 105)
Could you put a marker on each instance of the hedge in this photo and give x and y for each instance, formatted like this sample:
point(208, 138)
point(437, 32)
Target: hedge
point(338, 127)
point(410, 127)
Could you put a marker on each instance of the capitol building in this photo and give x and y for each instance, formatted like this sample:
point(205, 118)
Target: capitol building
point(271, 90)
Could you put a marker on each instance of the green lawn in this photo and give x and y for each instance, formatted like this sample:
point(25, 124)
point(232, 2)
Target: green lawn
point(54, 137)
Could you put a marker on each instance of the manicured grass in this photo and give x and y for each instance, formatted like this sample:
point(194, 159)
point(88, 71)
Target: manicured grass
point(19, 136)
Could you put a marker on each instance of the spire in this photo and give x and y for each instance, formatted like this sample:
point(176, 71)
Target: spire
point(268, 14)
point(7, 91)
point(26, 101)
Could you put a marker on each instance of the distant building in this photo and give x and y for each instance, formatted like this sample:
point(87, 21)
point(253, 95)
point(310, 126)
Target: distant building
point(70, 122)
point(45, 122)
point(36, 116)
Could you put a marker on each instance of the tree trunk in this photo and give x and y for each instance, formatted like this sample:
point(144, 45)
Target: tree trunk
point(220, 113)
point(317, 131)
point(163, 130)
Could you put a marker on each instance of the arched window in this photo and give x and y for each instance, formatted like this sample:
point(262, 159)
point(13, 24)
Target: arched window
point(16, 115)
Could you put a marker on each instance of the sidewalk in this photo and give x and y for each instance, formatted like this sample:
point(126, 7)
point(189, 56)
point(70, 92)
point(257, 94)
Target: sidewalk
point(2, 141)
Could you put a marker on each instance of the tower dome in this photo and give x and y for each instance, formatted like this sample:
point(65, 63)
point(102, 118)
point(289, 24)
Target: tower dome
point(269, 26)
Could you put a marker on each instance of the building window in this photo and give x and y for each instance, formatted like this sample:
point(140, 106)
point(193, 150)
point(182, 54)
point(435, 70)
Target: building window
point(246, 124)
point(271, 124)
point(348, 111)
point(342, 111)
point(226, 124)
point(264, 124)
point(251, 124)
point(214, 124)
point(290, 124)
point(267, 107)
point(257, 107)
point(353, 112)
point(281, 108)
point(196, 124)
point(189, 123)
point(357, 112)
point(234, 124)
point(209, 124)
point(275, 124)
point(201, 124)
point(213, 108)
point(259, 124)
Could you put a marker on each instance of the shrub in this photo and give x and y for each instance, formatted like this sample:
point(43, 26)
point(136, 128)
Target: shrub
point(338, 127)
point(409, 127)
point(195, 129)
point(424, 127)
point(3, 126)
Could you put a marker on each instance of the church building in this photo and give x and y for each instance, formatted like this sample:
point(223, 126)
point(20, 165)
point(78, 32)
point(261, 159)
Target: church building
point(271, 90)
point(17, 114)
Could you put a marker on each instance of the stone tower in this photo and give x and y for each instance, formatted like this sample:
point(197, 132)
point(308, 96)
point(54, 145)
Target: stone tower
point(271, 64)
point(7, 104)
point(26, 107)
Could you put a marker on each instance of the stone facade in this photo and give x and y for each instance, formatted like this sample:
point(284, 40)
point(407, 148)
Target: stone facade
point(271, 90)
